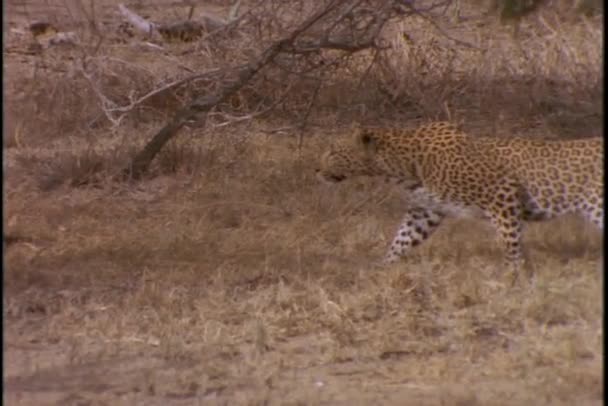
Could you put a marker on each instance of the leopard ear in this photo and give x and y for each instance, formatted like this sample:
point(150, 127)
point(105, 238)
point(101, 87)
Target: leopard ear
point(366, 139)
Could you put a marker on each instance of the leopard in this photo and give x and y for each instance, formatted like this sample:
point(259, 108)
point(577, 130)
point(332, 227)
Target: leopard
point(447, 172)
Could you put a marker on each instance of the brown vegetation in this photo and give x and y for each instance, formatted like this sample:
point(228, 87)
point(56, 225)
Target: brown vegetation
point(229, 275)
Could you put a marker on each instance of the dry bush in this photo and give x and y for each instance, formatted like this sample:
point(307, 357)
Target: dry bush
point(548, 74)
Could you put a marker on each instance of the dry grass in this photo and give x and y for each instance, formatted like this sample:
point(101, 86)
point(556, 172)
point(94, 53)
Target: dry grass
point(230, 276)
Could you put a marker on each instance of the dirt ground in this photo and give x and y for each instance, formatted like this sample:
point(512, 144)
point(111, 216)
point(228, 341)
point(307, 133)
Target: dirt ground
point(234, 277)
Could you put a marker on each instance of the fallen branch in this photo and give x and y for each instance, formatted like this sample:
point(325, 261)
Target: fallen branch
point(136, 21)
point(188, 30)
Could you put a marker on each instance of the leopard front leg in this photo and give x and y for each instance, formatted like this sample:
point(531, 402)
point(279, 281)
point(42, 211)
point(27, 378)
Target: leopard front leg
point(508, 223)
point(417, 225)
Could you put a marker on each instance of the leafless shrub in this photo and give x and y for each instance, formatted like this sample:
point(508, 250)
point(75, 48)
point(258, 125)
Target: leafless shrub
point(386, 61)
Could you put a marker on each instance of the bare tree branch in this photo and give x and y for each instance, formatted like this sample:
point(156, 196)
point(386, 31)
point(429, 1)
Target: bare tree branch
point(110, 108)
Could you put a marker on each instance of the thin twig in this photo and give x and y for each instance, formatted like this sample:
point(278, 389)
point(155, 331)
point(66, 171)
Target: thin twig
point(165, 88)
point(108, 106)
point(106, 103)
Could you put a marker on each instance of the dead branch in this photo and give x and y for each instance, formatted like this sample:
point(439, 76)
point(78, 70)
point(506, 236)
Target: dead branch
point(111, 108)
point(134, 103)
point(136, 21)
point(185, 31)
